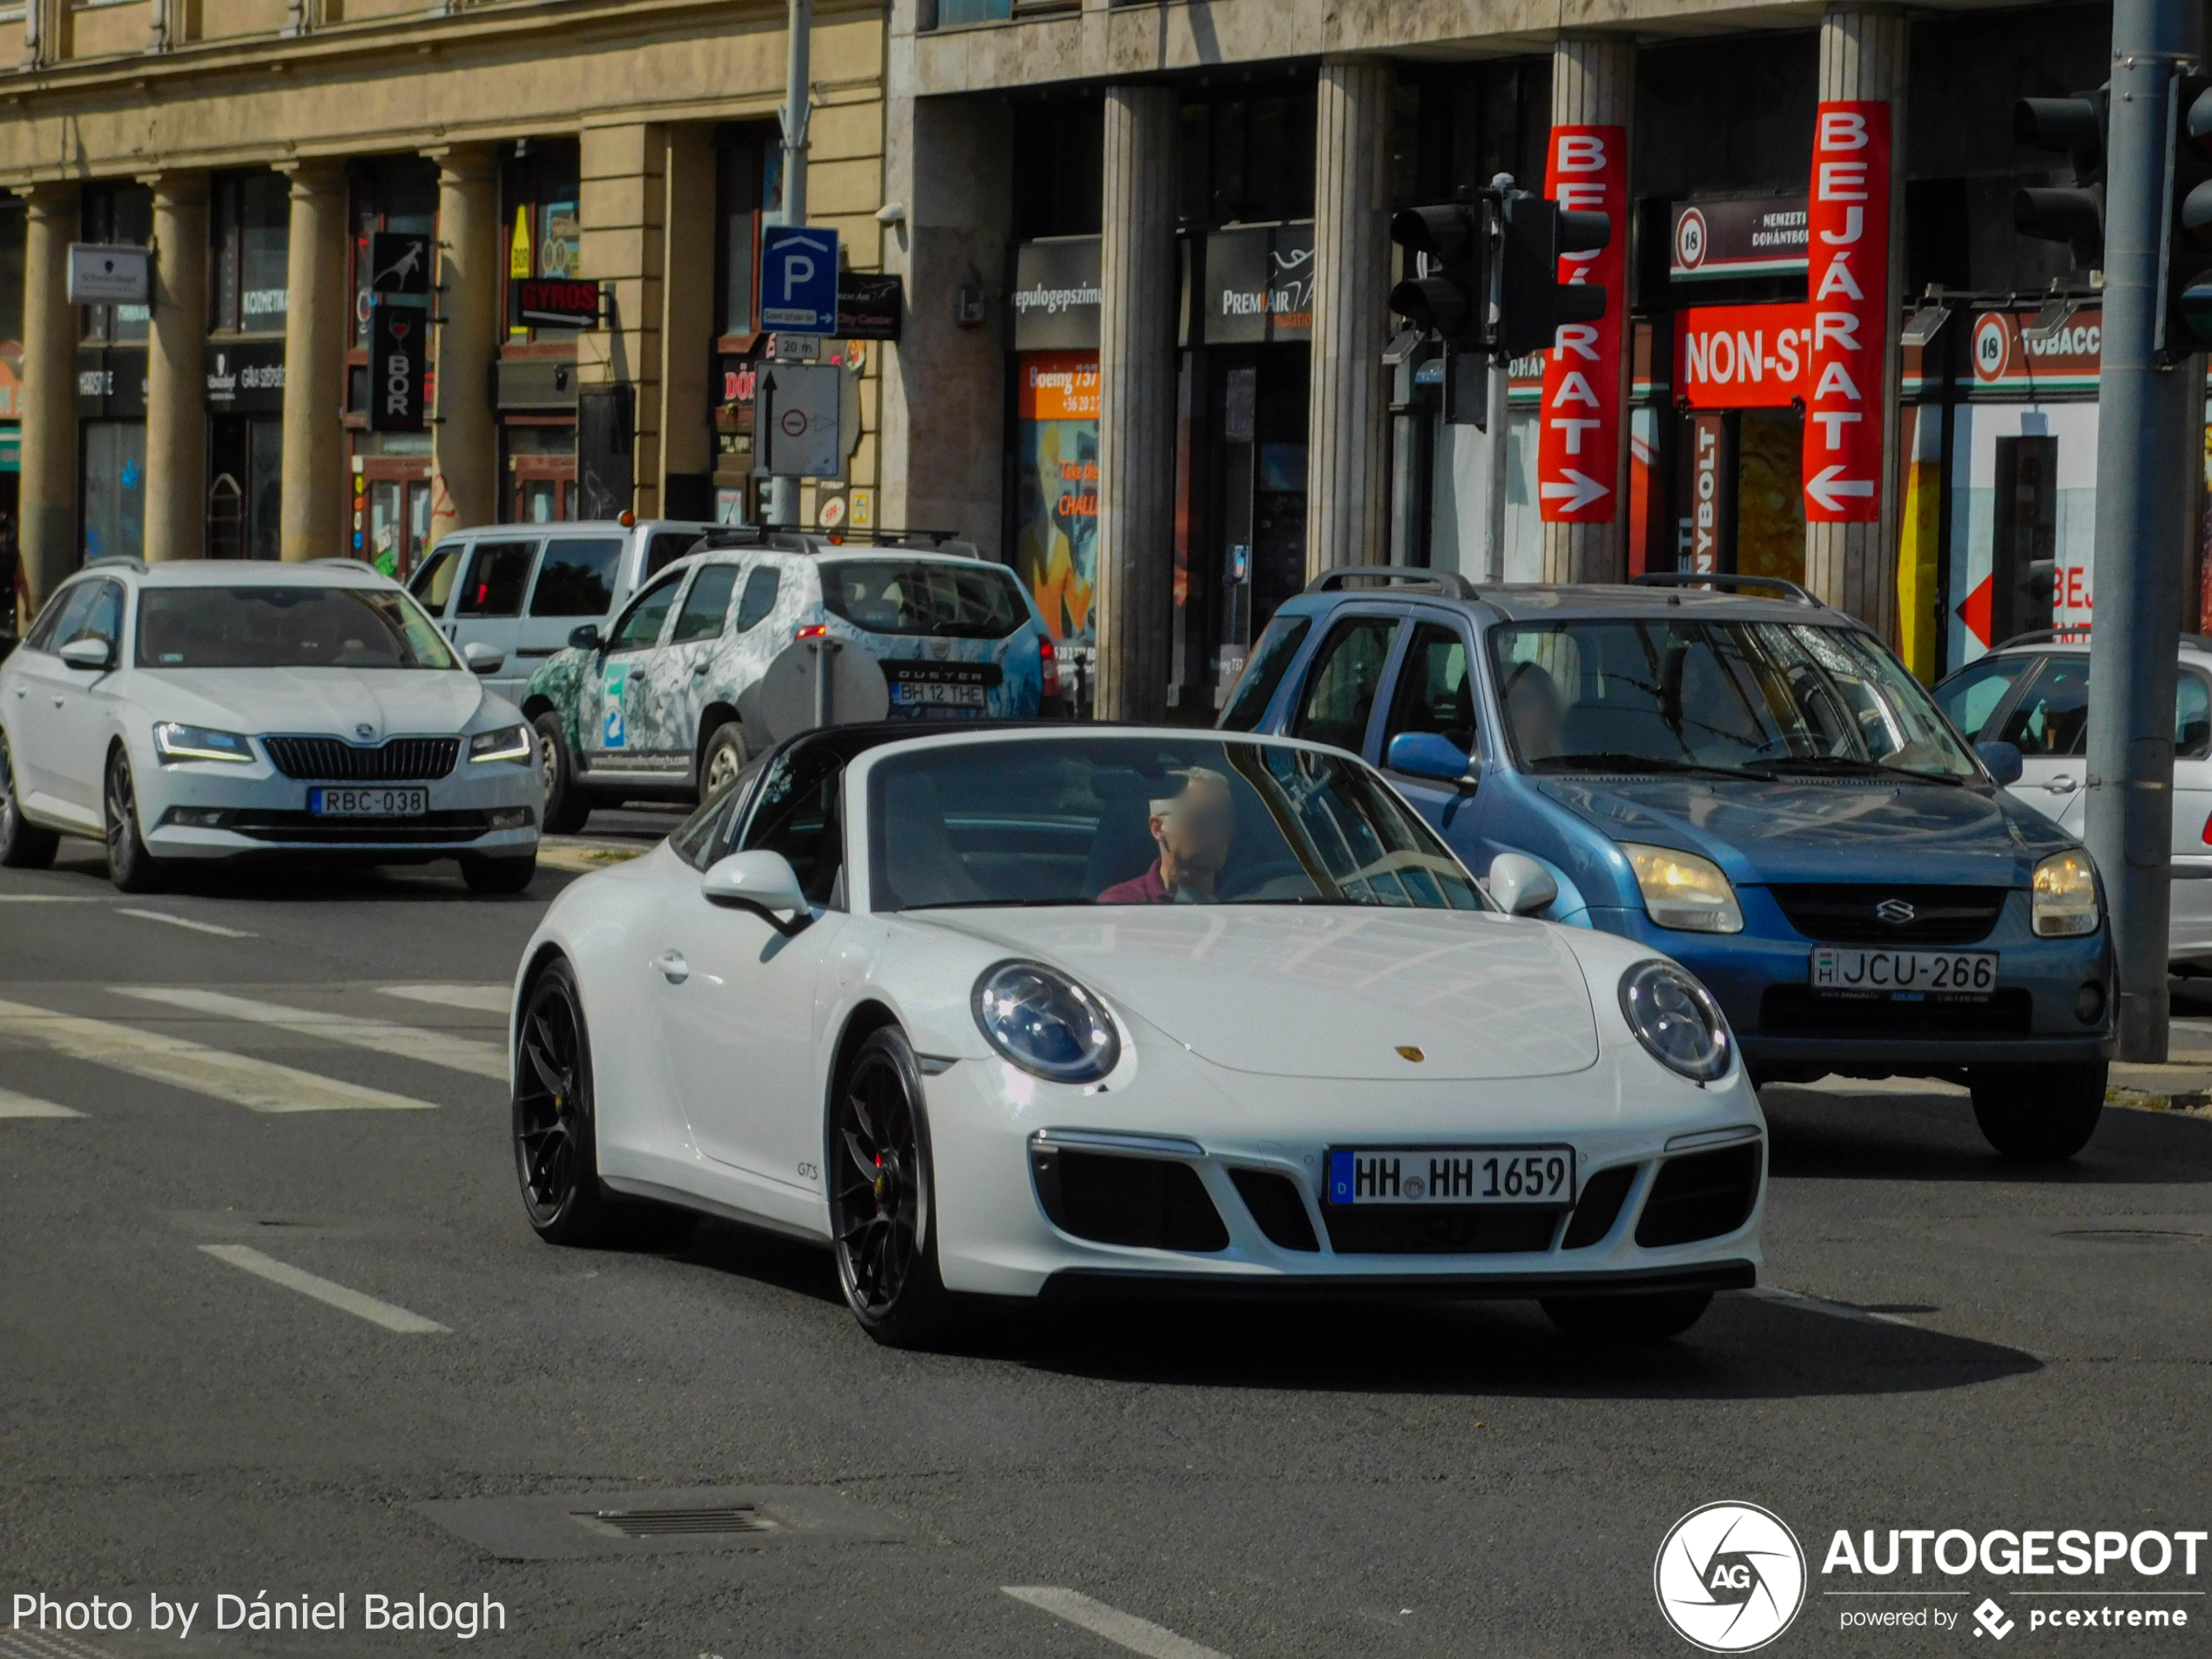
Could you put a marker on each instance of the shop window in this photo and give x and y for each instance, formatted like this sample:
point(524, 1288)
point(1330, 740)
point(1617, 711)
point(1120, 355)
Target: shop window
point(1462, 124)
point(115, 488)
point(249, 233)
point(394, 195)
point(117, 214)
point(1247, 158)
point(544, 227)
point(246, 486)
point(747, 175)
point(1059, 167)
point(12, 246)
point(2024, 550)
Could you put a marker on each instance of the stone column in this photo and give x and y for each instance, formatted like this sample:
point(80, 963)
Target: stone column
point(176, 389)
point(1853, 567)
point(1136, 404)
point(687, 326)
point(1594, 83)
point(464, 442)
point(317, 330)
point(1347, 498)
point(47, 503)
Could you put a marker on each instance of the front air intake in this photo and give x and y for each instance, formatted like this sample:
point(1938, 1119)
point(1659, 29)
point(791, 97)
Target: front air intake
point(1109, 1198)
point(1701, 1197)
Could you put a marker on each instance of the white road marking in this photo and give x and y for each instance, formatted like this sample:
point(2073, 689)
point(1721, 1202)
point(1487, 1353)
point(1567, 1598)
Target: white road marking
point(14, 1105)
point(294, 1278)
point(485, 999)
point(54, 898)
point(409, 1042)
point(186, 921)
point(259, 1085)
point(1122, 1630)
point(1822, 1304)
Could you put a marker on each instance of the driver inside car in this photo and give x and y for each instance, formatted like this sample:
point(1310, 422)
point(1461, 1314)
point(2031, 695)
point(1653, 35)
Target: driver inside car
point(1192, 829)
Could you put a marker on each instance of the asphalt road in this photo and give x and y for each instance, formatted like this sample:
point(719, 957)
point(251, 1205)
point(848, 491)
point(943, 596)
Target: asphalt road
point(1960, 1345)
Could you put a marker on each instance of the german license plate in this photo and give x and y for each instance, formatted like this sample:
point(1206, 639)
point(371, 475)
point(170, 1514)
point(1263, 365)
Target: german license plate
point(1909, 973)
point(368, 803)
point(935, 694)
point(1453, 1175)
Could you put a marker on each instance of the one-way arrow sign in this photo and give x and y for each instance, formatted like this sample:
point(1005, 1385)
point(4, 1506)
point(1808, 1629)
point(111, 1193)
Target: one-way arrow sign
point(1829, 487)
point(1576, 493)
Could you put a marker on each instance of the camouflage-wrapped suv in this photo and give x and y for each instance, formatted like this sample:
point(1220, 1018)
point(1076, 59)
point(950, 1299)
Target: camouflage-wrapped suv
point(665, 704)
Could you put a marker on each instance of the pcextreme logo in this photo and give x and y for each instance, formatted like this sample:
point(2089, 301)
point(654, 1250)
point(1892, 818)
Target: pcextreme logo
point(1729, 1577)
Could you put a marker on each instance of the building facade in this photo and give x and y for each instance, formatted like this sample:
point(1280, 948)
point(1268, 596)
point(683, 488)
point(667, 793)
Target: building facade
point(1819, 361)
point(621, 155)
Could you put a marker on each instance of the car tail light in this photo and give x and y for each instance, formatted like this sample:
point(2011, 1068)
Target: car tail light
point(2207, 832)
point(1051, 664)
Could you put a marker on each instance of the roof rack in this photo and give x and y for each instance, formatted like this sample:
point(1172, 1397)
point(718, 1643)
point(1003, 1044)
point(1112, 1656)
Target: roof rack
point(126, 560)
point(2079, 635)
point(1451, 583)
point(1788, 591)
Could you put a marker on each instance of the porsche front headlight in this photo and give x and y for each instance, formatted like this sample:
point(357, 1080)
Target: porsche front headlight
point(1046, 1023)
point(174, 741)
point(2064, 904)
point(509, 743)
point(1684, 891)
point(1676, 1019)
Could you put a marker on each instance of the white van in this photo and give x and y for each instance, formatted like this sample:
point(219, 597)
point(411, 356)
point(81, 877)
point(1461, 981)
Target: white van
point(523, 589)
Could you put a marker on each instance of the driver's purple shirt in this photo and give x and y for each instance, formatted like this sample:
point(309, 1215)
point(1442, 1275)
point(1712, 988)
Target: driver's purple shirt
point(1147, 888)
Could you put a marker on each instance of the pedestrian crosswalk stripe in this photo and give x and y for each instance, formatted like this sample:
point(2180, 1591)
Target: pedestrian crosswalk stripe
point(14, 1105)
point(409, 1042)
point(258, 1085)
point(186, 921)
point(485, 999)
point(323, 1289)
point(1122, 1630)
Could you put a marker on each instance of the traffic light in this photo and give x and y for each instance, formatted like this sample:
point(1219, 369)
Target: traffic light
point(1532, 300)
point(2075, 127)
point(2185, 284)
point(1448, 291)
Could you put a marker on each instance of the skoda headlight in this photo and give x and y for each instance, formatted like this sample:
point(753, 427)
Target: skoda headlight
point(1675, 1018)
point(2065, 902)
point(1046, 1023)
point(1684, 891)
point(173, 742)
point(509, 743)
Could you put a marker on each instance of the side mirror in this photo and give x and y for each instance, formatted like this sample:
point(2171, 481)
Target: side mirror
point(757, 881)
point(1520, 886)
point(483, 658)
point(94, 656)
point(584, 638)
point(2003, 760)
point(1428, 754)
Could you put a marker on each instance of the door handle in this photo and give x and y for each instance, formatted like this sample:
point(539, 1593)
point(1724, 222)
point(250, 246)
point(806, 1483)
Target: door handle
point(700, 667)
point(673, 967)
point(2063, 785)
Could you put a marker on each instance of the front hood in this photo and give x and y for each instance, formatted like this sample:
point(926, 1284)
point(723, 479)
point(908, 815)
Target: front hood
point(337, 702)
point(1324, 992)
point(1822, 830)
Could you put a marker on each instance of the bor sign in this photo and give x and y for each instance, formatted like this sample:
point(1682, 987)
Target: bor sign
point(1578, 458)
point(396, 359)
point(1847, 282)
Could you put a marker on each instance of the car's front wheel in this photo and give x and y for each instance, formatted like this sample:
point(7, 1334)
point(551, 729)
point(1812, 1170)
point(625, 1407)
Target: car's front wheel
point(567, 806)
point(1628, 1318)
point(556, 1156)
point(722, 758)
point(24, 845)
point(485, 875)
point(2038, 1114)
point(129, 865)
point(882, 1196)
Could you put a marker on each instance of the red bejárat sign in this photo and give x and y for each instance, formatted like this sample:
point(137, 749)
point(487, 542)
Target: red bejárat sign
point(1578, 457)
point(1847, 287)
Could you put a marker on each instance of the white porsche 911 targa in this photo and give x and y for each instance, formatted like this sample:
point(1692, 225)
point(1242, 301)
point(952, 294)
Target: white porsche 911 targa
point(1036, 1011)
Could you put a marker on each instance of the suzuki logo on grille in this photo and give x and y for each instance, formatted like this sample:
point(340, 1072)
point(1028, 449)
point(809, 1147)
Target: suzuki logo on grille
point(1896, 912)
point(364, 731)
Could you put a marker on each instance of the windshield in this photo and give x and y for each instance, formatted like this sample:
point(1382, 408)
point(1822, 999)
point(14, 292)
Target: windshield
point(1756, 698)
point(287, 627)
point(963, 601)
point(1142, 821)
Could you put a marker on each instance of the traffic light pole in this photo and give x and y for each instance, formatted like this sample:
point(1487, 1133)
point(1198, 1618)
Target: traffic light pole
point(783, 493)
point(2144, 404)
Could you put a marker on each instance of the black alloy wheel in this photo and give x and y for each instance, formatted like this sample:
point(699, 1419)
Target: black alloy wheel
point(556, 1157)
point(881, 1195)
point(129, 865)
point(24, 845)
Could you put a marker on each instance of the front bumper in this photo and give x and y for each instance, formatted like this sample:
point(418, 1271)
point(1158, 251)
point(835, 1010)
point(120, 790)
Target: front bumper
point(223, 810)
point(1224, 1128)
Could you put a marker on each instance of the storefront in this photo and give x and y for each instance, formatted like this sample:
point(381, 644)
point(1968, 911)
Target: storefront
point(249, 235)
point(1055, 470)
point(536, 388)
point(391, 472)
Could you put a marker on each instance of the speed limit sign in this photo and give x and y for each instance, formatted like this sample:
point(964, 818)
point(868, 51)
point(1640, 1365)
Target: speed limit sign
point(1992, 342)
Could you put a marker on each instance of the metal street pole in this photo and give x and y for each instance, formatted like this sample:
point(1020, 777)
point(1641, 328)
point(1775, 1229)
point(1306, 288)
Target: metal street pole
point(1499, 416)
point(783, 493)
point(2143, 406)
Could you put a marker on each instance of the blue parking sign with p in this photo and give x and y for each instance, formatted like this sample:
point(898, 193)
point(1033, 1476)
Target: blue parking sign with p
point(798, 279)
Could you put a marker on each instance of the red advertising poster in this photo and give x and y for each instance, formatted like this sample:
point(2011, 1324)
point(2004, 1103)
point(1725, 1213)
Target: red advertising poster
point(1847, 283)
point(1741, 357)
point(1578, 458)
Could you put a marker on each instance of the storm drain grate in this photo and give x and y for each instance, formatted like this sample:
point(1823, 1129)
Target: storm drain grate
point(679, 1523)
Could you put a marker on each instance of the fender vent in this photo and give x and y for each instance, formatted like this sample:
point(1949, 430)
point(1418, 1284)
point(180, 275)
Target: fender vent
point(1599, 1207)
point(678, 1524)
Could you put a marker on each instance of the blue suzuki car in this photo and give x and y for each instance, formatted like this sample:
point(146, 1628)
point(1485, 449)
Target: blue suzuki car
point(1747, 781)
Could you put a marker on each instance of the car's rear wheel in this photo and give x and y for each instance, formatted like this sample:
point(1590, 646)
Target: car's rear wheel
point(723, 758)
point(567, 806)
point(882, 1196)
point(557, 1157)
point(129, 865)
point(486, 874)
point(2038, 1114)
point(24, 845)
point(1628, 1318)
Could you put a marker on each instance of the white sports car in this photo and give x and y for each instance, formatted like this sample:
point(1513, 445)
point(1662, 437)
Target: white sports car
point(1036, 1011)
